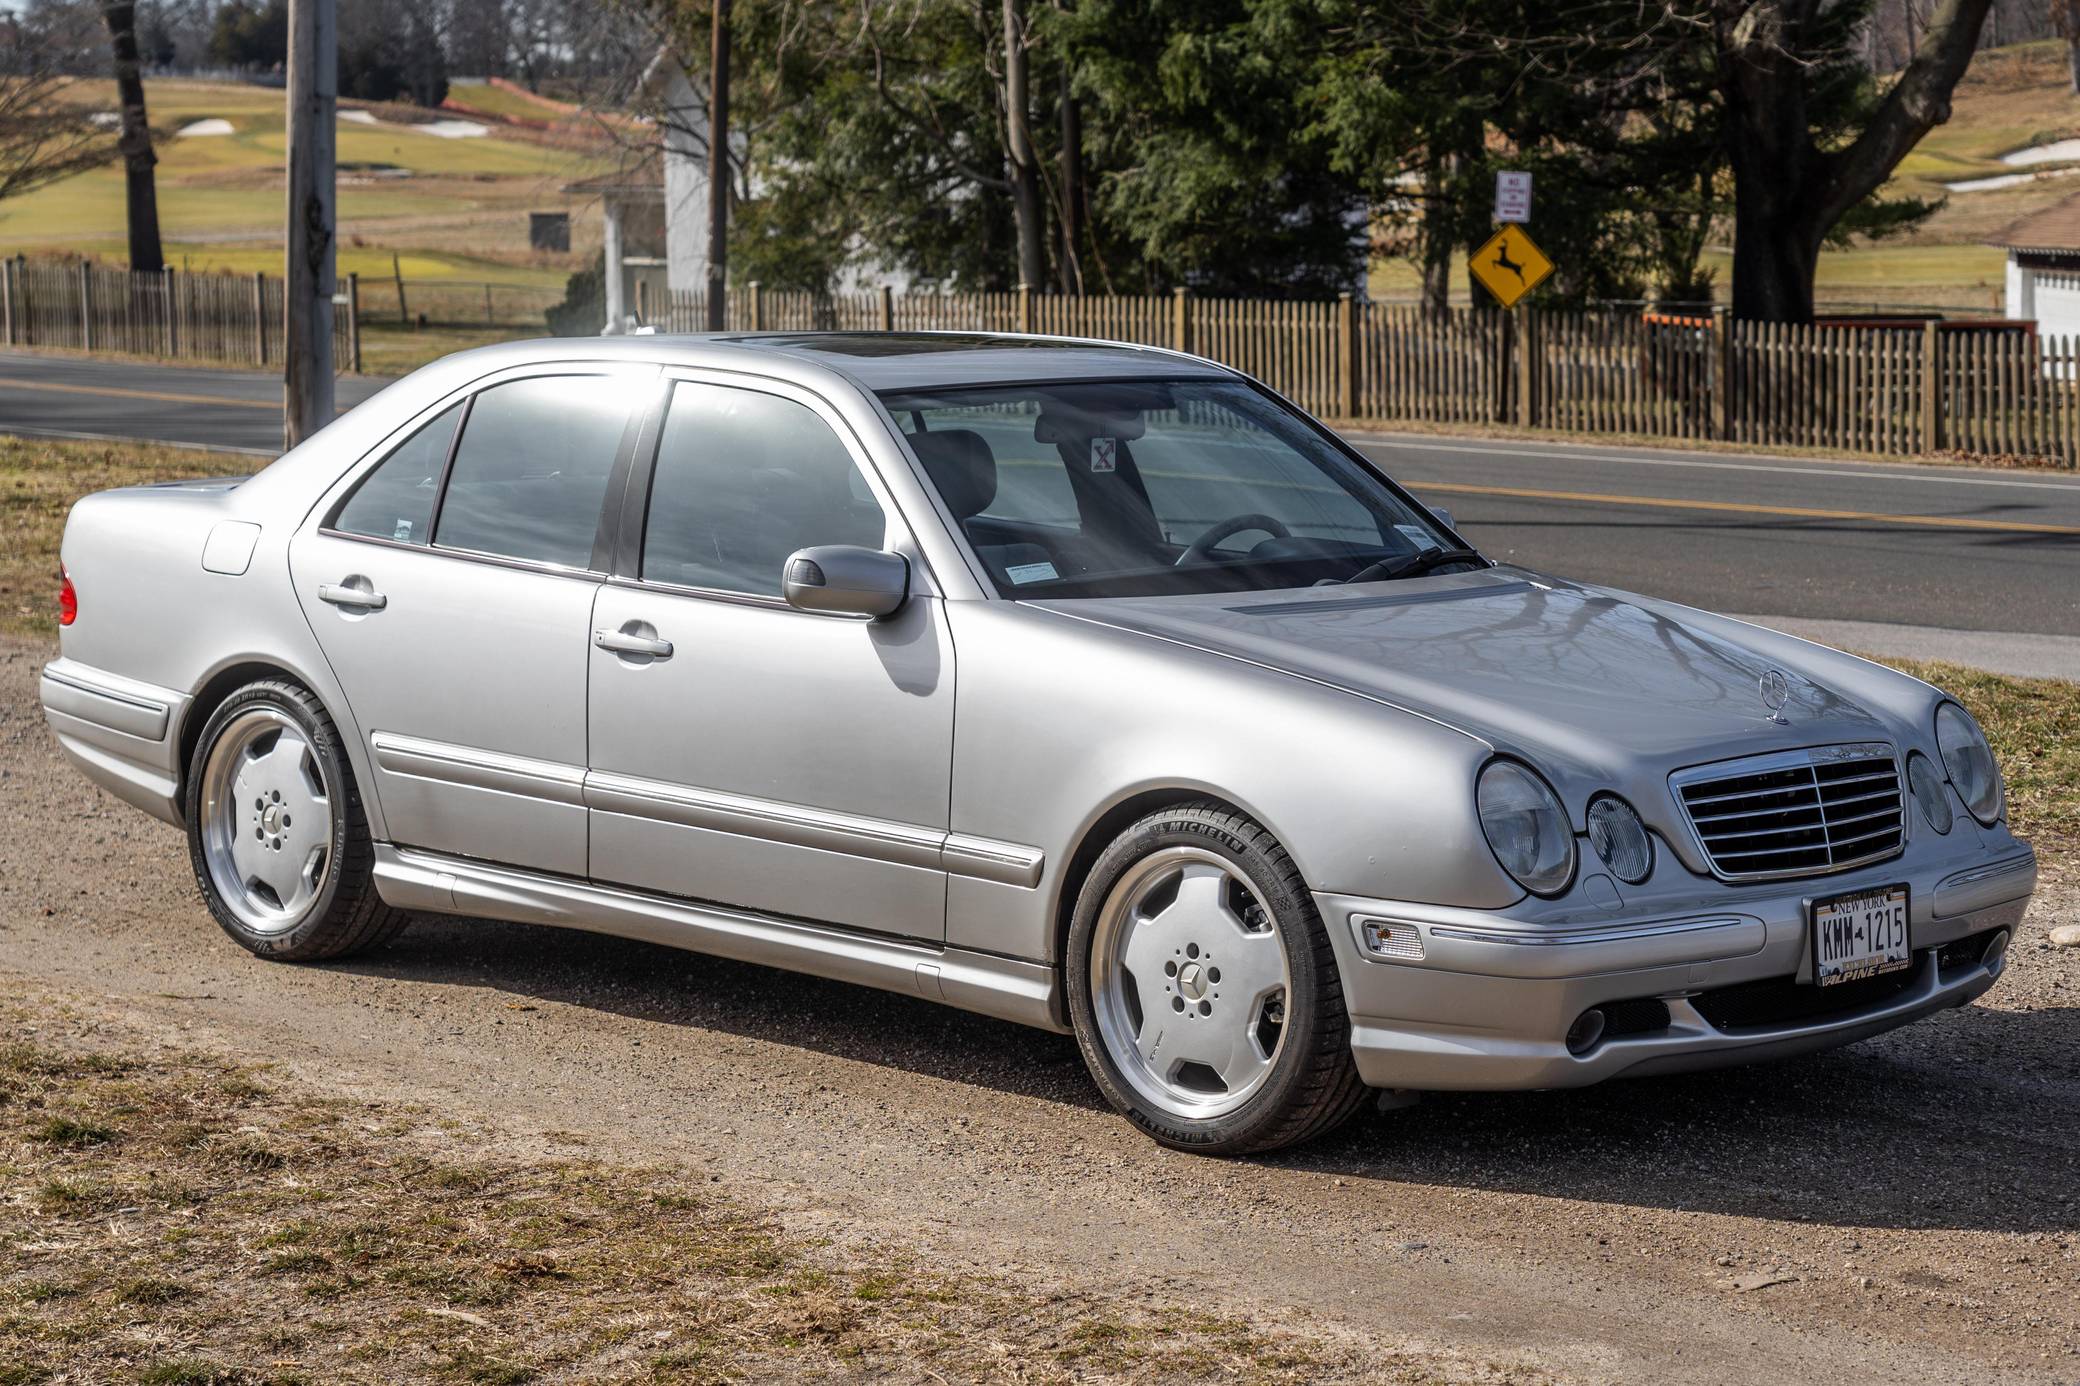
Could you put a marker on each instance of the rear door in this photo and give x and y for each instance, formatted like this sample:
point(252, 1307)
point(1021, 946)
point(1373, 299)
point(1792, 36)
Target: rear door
point(744, 752)
point(452, 591)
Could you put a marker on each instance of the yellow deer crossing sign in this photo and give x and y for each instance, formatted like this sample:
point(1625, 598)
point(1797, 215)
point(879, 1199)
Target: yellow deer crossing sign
point(1510, 265)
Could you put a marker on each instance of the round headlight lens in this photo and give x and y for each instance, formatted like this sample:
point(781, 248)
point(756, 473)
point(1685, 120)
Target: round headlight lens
point(1970, 762)
point(1929, 792)
point(1526, 826)
point(1620, 838)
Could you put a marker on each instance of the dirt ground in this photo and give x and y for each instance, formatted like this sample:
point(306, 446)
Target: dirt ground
point(1901, 1211)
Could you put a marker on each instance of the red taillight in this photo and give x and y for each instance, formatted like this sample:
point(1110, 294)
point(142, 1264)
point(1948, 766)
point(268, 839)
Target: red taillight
point(68, 601)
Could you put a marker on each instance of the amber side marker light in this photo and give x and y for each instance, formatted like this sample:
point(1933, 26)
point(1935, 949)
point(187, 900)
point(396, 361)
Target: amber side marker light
point(68, 600)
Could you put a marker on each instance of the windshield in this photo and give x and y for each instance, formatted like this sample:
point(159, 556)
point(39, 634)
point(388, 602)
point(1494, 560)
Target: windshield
point(1136, 487)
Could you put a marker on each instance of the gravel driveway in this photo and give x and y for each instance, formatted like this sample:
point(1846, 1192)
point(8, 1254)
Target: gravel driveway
point(1904, 1210)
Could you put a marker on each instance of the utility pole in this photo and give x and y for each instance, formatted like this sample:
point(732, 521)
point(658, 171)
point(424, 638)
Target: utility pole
point(146, 254)
point(307, 403)
point(718, 168)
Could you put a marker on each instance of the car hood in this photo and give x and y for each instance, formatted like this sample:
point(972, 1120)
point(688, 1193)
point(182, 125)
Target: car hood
point(1574, 677)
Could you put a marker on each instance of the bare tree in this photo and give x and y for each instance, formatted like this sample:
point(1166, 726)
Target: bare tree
point(1024, 165)
point(146, 256)
point(42, 137)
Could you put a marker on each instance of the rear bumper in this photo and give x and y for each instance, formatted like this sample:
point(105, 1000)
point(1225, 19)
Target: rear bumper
point(1488, 1005)
point(118, 732)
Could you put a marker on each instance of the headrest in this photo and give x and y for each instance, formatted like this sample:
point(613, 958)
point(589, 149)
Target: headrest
point(960, 464)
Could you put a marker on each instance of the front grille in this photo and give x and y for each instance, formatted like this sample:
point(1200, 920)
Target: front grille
point(1798, 813)
point(1785, 1001)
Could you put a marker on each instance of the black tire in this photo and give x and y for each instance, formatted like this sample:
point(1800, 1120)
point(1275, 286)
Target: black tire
point(1313, 1086)
point(346, 916)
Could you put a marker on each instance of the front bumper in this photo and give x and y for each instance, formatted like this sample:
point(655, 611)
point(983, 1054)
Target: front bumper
point(1489, 1002)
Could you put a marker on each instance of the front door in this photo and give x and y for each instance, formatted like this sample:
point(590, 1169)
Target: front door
point(452, 592)
point(743, 752)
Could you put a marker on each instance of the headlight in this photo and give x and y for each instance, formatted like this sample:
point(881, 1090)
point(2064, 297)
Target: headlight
point(1929, 792)
point(1527, 829)
point(1970, 762)
point(1620, 838)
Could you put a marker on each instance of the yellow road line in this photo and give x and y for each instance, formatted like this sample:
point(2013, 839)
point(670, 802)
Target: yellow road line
point(1739, 508)
point(164, 396)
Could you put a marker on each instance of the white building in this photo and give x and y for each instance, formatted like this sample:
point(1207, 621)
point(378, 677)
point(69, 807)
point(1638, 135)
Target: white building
point(2044, 268)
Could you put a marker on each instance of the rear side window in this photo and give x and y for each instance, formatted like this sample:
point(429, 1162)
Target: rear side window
point(395, 501)
point(530, 474)
point(744, 479)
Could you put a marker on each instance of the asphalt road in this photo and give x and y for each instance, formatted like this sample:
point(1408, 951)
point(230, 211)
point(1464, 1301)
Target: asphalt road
point(1976, 564)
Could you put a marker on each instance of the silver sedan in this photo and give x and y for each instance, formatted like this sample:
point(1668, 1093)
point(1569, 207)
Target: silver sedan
point(1091, 687)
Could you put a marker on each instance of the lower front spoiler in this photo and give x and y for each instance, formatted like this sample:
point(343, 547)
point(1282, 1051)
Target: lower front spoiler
point(1394, 1054)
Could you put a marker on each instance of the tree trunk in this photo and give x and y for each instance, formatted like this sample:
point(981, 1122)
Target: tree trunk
point(2069, 25)
point(1788, 192)
point(1072, 187)
point(1018, 146)
point(146, 255)
point(718, 168)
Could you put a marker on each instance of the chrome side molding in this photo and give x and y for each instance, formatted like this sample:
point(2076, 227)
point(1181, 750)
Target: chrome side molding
point(796, 825)
point(1006, 988)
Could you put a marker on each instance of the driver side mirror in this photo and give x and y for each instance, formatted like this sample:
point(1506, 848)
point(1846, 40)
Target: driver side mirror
point(846, 580)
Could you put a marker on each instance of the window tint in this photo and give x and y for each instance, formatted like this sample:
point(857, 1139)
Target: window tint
point(744, 479)
point(395, 501)
point(531, 471)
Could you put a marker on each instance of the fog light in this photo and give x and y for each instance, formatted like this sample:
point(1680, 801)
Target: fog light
point(1995, 958)
point(1586, 1030)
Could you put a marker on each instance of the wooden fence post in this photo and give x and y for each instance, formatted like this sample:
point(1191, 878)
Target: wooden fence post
point(1931, 388)
point(758, 307)
point(642, 302)
point(404, 317)
point(86, 307)
point(260, 313)
point(7, 297)
point(1346, 357)
point(173, 336)
point(1025, 307)
point(1722, 375)
point(888, 309)
point(354, 322)
point(1181, 318)
point(1526, 343)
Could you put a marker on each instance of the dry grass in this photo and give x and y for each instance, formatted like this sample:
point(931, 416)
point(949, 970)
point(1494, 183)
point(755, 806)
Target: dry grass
point(170, 1216)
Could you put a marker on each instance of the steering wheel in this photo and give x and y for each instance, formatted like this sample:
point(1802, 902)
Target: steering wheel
point(1202, 548)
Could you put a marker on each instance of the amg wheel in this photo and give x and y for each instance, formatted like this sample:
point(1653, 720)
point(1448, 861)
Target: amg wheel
point(275, 830)
point(1204, 993)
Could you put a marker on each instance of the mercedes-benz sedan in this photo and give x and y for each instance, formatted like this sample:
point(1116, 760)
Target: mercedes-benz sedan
point(1091, 687)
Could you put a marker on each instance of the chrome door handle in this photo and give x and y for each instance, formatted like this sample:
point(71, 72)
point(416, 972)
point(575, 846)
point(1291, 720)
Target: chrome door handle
point(340, 594)
point(623, 642)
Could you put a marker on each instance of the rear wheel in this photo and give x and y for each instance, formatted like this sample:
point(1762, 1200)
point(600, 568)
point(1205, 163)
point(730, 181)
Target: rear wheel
point(1203, 989)
point(276, 835)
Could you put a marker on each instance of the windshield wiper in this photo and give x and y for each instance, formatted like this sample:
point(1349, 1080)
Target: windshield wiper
point(1413, 564)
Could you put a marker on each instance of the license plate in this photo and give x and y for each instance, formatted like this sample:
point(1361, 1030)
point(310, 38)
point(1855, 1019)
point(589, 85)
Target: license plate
point(1861, 935)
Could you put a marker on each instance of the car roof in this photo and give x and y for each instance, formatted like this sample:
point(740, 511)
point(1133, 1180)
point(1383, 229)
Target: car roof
point(882, 361)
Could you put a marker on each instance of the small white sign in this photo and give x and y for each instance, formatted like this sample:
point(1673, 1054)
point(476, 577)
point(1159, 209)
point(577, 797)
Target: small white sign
point(1512, 196)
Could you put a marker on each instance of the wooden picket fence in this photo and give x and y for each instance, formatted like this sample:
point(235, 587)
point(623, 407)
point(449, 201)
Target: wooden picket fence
point(235, 319)
point(1875, 387)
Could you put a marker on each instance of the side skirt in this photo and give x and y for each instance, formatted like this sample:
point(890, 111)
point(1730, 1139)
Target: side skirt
point(1007, 988)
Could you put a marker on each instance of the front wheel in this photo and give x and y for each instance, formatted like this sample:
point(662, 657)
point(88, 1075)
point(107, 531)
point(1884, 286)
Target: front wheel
point(1203, 989)
point(276, 835)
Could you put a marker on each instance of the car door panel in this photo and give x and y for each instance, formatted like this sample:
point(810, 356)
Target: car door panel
point(778, 760)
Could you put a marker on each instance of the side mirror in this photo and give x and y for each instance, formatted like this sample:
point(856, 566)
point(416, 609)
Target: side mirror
point(846, 580)
point(1444, 517)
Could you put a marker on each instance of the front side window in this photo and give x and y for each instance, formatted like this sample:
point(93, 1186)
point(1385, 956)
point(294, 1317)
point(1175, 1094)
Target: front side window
point(1135, 487)
point(530, 473)
point(395, 501)
point(743, 479)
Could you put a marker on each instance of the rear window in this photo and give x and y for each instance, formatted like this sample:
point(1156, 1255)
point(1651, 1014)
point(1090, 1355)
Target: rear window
point(530, 474)
point(395, 501)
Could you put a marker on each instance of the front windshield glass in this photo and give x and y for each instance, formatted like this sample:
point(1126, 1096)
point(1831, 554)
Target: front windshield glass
point(1128, 488)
